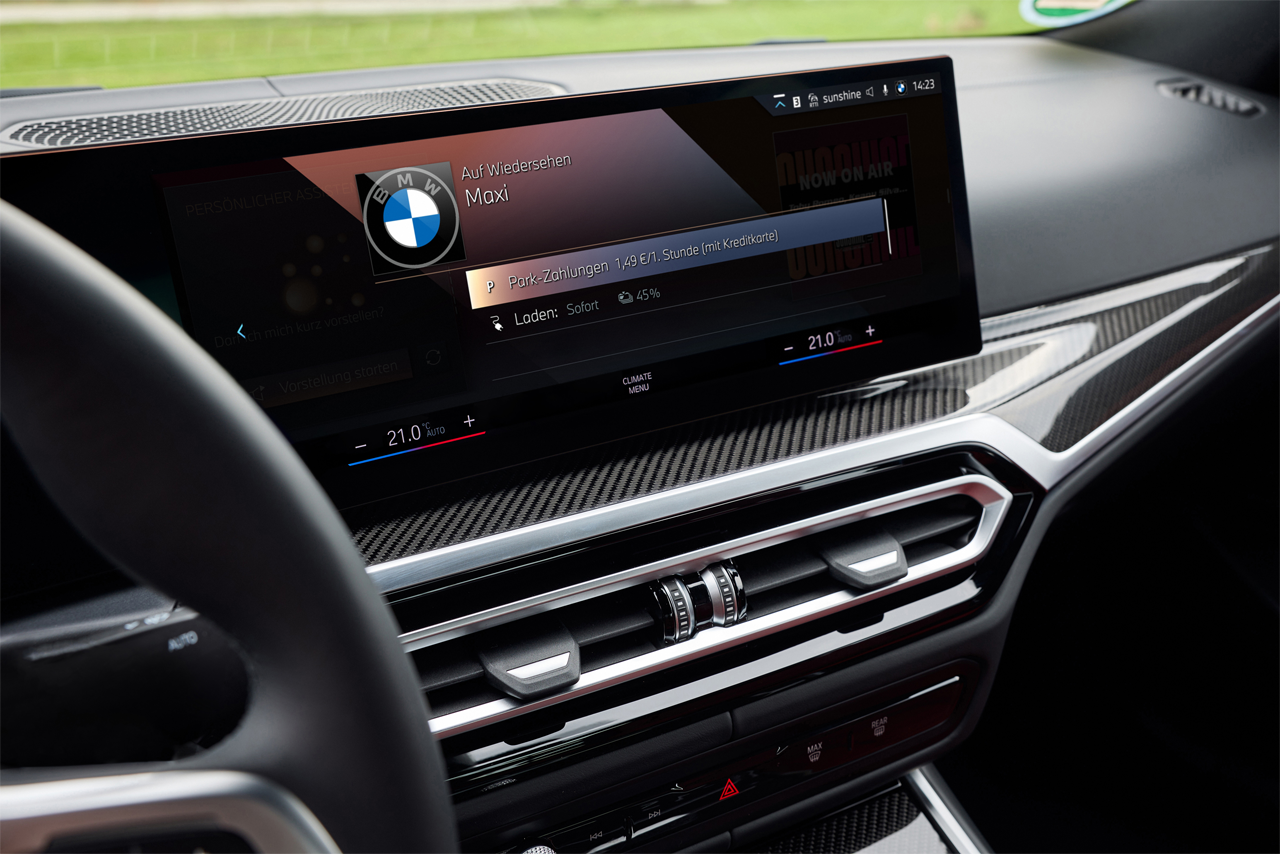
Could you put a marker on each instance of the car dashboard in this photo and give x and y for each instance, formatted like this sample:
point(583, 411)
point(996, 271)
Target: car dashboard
point(725, 627)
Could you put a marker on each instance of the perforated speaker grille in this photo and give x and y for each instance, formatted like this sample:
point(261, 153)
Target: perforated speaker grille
point(268, 112)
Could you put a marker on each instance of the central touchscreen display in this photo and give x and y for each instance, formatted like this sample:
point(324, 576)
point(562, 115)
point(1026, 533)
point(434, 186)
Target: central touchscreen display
point(551, 275)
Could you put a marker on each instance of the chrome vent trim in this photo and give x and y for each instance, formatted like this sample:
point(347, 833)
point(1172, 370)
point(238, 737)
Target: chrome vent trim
point(135, 125)
point(992, 496)
point(984, 490)
point(465, 720)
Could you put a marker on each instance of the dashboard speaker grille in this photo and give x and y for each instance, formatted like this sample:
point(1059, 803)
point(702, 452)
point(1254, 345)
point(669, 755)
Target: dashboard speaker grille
point(268, 112)
point(563, 485)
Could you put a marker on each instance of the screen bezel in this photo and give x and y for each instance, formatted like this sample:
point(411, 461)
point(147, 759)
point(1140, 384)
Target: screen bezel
point(135, 242)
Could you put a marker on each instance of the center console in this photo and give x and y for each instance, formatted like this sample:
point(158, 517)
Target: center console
point(715, 676)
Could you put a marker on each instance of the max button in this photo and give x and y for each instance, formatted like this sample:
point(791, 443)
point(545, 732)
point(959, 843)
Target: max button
point(817, 753)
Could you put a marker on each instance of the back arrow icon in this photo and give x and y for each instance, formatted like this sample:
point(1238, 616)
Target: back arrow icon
point(240, 331)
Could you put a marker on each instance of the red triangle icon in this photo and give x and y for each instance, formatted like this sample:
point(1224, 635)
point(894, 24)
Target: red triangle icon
point(729, 790)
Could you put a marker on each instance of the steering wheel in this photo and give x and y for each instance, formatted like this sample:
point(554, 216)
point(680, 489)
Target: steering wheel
point(168, 467)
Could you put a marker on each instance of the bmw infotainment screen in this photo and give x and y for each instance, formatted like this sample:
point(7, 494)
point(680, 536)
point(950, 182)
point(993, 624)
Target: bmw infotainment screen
point(458, 291)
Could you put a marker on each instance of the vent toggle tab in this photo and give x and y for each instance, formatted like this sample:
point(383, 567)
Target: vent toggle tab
point(866, 560)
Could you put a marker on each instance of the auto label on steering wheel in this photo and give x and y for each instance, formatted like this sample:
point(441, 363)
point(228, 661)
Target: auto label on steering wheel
point(411, 217)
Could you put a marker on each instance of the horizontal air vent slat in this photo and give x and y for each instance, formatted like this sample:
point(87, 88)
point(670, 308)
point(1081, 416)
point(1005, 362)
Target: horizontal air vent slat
point(617, 649)
point(779, 566)
point(932, 520)
point(608, 616)
point(797, 593)
point(921, 552)
point(447, 664)
point(464, 695)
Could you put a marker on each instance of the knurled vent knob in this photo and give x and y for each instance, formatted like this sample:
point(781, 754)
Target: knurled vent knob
point(675, 606)
point(728, 595)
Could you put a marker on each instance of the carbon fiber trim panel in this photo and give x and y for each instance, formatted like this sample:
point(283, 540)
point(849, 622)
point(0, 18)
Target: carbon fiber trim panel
point(702, 450)
point(1138, 345)
point(853, 829)
point(1056, 372)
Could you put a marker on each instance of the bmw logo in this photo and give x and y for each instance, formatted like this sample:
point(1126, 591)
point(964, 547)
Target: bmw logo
point(411, 215)
point(901, 87)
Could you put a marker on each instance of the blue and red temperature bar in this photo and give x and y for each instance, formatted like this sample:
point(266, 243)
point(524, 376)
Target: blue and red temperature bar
point(831, 352)
point(419, 448)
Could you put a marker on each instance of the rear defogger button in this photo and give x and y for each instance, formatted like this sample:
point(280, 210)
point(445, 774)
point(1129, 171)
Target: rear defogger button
point(902, 720)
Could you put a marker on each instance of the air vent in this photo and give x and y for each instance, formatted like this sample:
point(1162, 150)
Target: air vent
point(268, 112)
point(797, 572)
point(808, 574)
point(1210, 96)
point(607, 630)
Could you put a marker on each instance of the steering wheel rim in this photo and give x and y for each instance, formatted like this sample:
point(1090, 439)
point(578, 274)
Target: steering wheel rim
point(164, 463)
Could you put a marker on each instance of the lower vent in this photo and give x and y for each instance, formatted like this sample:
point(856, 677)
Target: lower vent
point(627, 625)
point(1209, 96)
point(269, 112)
